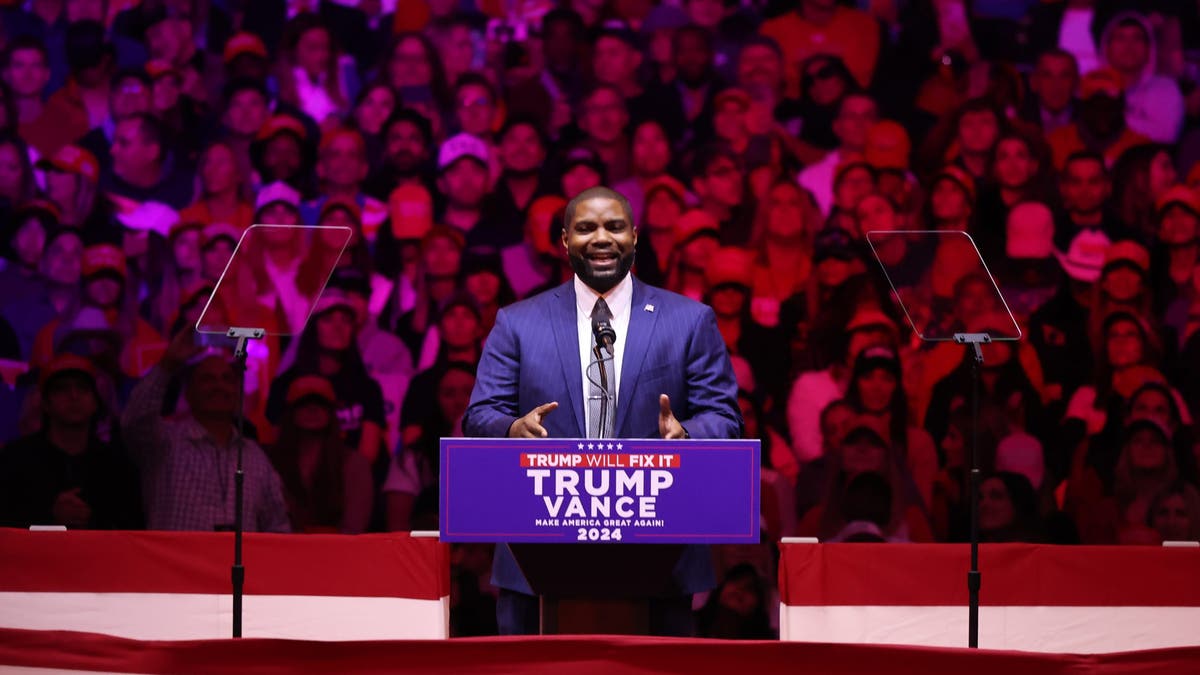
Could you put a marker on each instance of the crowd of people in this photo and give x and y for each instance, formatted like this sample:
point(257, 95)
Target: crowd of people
point(758, 141)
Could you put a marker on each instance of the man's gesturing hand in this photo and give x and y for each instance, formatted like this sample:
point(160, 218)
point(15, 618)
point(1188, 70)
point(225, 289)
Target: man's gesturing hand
point(530, 426)
point(668, 426)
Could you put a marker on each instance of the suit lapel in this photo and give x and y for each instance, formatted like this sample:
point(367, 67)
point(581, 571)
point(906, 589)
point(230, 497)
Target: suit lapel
point(566, 336)
point(637, 343)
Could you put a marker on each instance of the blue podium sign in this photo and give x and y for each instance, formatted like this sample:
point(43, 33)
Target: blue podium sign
point(579, 490)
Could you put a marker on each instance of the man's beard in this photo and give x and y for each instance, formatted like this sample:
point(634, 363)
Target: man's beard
point(405, 163)
point(604, 281)
point(519, 174)
point(695, 82)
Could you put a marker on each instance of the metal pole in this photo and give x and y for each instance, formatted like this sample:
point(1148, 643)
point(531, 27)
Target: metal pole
point(973, 576)
point(238, 573)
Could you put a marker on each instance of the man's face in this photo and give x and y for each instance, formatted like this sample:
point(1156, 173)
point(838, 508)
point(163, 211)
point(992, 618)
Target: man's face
point(454, 393)
point(521, 150)
point(246, 113)
point(559, 46)
point(130, 151)
point(759, 68)
point(1127, 49)
point(1085, 186)
point(130, 96)
point(64, 260)
point(600, 243)
point(977, 131)
point(722, 183)
point(464, 183)
point(1102, 115)
point(855, 184)
point(693, 58)
point(854, 120)
point(165, 93)
point(71, 399)
point(282, 156)
point(651, 150)
point(456, 49)
point(212, 387)
point(614, 62)
point(475, 109)
point(729, 121)
point(335, 329)
point(579, 178)
point(604, 117)
point(103, 291)
point(12, 168)
point(27, 73)
point(343, 163)
point(165, 40)
point(218, 170)
point(313, 51)
point(1054, 80)
point(406, 150)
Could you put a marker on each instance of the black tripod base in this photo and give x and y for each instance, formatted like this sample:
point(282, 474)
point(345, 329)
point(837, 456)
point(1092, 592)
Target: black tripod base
point(974, 580)
point(238, 576)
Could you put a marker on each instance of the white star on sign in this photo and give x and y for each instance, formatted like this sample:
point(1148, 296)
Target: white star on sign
point(591, 446)
point(581, 446)
point(610, 446)
point(618, 446)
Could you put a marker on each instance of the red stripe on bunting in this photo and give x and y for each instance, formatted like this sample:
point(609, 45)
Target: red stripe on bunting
point(377, 565)
point(1013, 574)
point(599, 655)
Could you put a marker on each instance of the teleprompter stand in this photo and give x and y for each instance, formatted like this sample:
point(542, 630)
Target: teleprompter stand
point(906, 257)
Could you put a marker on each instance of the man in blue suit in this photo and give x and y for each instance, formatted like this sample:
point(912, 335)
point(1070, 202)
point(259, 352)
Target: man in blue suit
point(673, 377)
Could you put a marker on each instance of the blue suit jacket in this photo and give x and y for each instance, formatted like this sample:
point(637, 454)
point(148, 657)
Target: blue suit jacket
point(673, 347)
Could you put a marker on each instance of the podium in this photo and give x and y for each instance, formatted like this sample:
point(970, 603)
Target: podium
point(599, 589)
point(604, 533)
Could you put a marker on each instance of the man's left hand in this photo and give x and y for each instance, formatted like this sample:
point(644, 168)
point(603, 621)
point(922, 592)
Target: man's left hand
point(668, 426)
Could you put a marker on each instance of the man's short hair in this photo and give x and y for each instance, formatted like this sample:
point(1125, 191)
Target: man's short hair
point(443, 24)
point(411, 116)
point(696, 31)
point(566, 16)
point(853, 94)
point(240, 84)
point(1134, 22)
point(1085, 156)
point(524, 120)
point(472, 78)
point(138, 74)
point(757, 40)
point(597, 192)
point(707, 155)
point(599, 87)
point(1059, 53)
point(152, 131)
point(26, 43)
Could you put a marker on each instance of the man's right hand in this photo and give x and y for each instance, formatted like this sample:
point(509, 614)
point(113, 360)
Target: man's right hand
point(69, 509)
point(180, 351)
point(530, 426)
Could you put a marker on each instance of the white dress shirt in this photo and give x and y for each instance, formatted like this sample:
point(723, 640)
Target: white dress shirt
point(619, 300)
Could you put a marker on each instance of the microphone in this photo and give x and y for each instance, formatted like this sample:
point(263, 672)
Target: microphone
point(605, 335)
